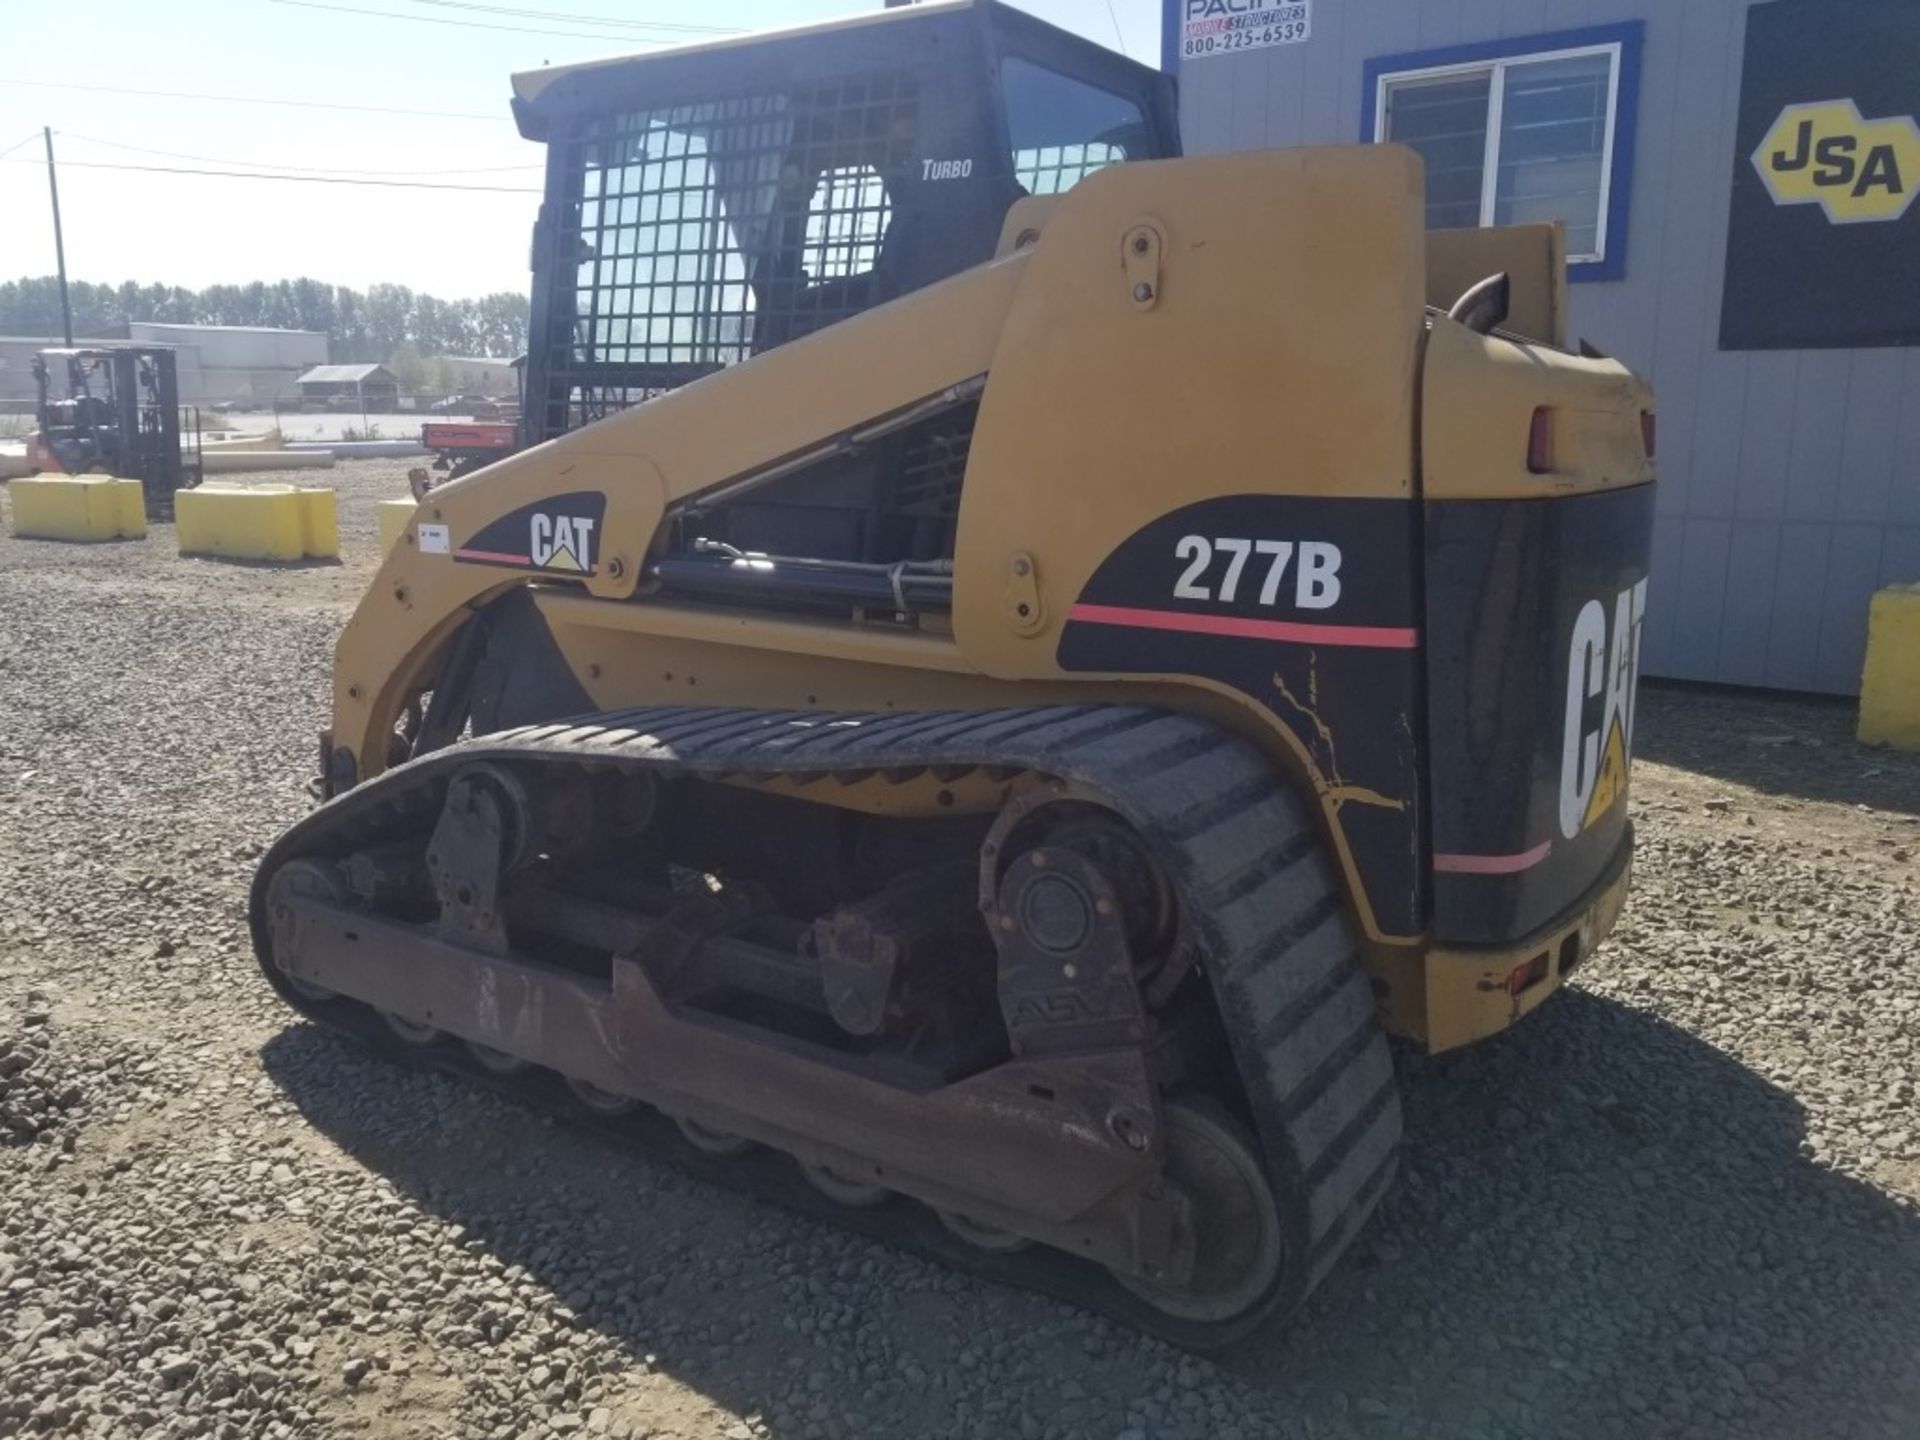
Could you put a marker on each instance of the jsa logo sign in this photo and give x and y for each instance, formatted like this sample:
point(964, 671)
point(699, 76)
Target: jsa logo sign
point(1827, 154)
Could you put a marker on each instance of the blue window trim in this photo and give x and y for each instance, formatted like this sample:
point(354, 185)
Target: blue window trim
point(1630, 37)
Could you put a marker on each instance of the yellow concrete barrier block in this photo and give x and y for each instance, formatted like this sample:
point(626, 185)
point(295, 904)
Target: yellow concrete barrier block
point(257, 522)
point(77, 507)
point(1890, 688)
point(319, 523)
point(395, 516)
point(129, 502)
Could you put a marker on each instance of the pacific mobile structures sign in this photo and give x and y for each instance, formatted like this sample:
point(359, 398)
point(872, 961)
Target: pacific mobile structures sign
point(1226, 27)
point(1826, 153)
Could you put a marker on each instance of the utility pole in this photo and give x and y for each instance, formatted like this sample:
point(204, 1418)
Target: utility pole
point(59, 244)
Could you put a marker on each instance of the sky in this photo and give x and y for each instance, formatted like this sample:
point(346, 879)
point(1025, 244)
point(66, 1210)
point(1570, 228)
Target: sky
point(385, 55)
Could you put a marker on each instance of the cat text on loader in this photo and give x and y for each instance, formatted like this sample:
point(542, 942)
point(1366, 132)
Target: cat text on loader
point(1039, 666)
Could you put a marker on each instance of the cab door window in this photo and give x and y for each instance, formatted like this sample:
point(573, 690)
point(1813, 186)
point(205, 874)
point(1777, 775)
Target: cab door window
point(1064, 129)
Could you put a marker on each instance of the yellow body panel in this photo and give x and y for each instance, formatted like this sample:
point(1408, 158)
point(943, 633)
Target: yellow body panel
point(1129, 368)
point(1481, 393)
point(77, 507)
point(1055, 319)
point(267, 522)
point(1532, 257)
point(1464, 995)
point(1890, 686)
point(394, 517)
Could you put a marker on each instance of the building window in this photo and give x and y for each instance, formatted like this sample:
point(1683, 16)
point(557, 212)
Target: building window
point(1521, 132)
point(1064, 129)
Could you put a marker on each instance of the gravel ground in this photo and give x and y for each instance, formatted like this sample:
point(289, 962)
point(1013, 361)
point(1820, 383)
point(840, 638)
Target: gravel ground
point(1682, 1200)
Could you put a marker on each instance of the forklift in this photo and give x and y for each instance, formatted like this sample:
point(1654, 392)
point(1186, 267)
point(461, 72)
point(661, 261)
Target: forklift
point(120, 415)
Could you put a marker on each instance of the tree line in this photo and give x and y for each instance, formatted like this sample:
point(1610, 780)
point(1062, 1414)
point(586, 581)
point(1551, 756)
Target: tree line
point(370, 325)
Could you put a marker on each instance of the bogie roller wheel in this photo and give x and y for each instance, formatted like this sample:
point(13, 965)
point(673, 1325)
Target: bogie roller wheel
point(844, 1189)
point(710, 1141)
point(497, 1062)
point(1240, 1249)
point(607, 1103)
point(984, 1237)
point(414, 1032)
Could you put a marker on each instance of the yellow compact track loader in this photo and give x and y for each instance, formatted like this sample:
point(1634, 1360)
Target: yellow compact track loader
point(1012, 662)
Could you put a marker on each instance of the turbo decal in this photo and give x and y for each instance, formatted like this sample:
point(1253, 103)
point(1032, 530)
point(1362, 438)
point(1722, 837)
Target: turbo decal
point(558, 536)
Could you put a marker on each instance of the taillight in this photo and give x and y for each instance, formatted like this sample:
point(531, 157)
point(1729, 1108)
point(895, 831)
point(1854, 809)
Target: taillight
point(1523, 978)
point(1647, 431)
point(1540, 442)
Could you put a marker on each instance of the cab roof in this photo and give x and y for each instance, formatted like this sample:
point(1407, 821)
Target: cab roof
point(528, 85)
point(549, 100)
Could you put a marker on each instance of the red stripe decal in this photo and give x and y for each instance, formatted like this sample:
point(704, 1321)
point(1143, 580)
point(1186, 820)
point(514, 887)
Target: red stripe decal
point(492, 557)
point(1364, 637)
point(1492, 864)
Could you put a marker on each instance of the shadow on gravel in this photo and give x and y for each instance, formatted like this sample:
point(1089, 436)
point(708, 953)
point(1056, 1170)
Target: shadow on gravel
point(1606, 1226)
point(241, 562)
point(1603, 1227)
point(1782, 744)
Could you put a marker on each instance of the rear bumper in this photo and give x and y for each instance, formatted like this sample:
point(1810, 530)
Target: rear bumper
point(1471, 993)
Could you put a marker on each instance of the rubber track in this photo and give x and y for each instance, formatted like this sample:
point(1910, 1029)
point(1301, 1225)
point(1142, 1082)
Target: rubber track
point(1238, 845)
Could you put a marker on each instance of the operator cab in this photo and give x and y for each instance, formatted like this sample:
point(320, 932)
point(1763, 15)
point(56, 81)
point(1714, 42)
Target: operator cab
point(707, 203)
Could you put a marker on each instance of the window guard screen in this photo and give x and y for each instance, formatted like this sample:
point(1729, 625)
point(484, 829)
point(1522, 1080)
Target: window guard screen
point(698, 235)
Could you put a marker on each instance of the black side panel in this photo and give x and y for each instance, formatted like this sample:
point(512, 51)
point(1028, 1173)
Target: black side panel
point(1534, 609)
point(560, 534)
point(522, 678)
point(1310, 607)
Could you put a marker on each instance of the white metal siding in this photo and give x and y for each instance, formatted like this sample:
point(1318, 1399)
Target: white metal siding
point(1790, 480)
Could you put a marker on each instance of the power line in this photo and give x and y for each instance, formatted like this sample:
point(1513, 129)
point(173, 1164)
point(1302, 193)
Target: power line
point(585, 19)
point(273, 165)
point(1118, 33)
point(303, 179)
point(474, 24)
point(28, 141)
point(259, 100)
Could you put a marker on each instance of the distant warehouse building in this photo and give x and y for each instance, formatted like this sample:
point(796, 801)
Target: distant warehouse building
point(241, 365)
point(350, 387)
point(247, 365)
point(1737, 181)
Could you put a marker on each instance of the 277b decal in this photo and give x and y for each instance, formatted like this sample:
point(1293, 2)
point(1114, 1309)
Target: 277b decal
point(1316, 575)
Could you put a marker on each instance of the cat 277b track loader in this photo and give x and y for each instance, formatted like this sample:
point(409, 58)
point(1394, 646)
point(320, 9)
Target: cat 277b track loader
point(1021, 660)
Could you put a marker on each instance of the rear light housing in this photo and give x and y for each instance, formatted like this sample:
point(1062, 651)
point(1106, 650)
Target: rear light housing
point(1540, 442)
point(1523, 978)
